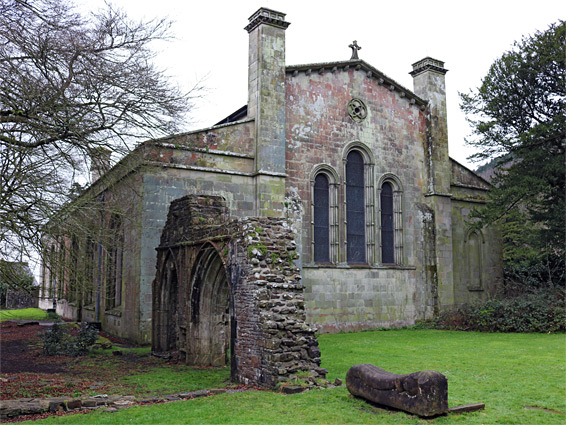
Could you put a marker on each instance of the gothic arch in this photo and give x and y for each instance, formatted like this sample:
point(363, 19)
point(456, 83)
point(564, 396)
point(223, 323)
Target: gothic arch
point(209, 263)
point(393, 179)
point(332, 214)
point(471, 232)
point(473, 249)
point(209, 332)
point(167, 317)
point(326, 169)
point(390, 252)
point(351, 253)
point(362, 148)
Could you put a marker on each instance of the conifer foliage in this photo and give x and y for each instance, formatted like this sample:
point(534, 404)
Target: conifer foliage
point(518, 114)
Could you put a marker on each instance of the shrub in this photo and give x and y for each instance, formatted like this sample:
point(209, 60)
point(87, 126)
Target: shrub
point(534, 274)
point(541, 312)
point(55, 340)
point(87, 337)
point(59, 341)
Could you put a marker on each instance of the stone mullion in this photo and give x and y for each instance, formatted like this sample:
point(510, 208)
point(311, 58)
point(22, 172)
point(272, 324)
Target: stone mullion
point(398, 225)
point(311, 221)
point(370, 219)
point(379, 229)
point(344, 255)
point(334, 226)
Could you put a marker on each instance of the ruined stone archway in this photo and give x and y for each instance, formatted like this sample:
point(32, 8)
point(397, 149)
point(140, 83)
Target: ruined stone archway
point(238, 290)
point(209, 332)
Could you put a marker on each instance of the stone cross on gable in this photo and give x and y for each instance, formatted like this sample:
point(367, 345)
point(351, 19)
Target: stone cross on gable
point(354, 46)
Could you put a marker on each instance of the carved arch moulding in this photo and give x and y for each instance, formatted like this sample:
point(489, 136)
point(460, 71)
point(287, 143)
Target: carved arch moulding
point(234, 279)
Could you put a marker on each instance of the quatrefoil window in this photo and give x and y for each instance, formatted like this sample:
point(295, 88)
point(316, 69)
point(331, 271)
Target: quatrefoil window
point(357, 110)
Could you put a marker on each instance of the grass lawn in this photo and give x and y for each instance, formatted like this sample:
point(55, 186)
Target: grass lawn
point(25, 314)
point(520, 377)
point(155, 377)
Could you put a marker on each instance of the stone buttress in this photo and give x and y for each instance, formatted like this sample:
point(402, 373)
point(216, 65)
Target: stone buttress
point(429, 83)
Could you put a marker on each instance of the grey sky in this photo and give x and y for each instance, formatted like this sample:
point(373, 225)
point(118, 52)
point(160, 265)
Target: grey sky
point(467, 36)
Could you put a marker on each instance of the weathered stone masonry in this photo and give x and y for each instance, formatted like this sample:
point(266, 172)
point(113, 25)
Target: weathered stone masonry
point(255, 282)
point(223, 289)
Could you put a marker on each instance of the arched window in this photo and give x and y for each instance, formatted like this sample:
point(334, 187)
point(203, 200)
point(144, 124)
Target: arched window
point(43, 293)
point(52, 267)
point(355, 209)
point(390, 219)
point(325, 238)
point(114, 264)
point(90, 260)
point(321, 219)
point(387, 225)
point(73, 269)
point(60, 281)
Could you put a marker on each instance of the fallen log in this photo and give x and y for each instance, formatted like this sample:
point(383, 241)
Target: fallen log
point(422, 393)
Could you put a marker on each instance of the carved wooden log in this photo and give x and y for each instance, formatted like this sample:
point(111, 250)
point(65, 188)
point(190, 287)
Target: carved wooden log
point(422, 393)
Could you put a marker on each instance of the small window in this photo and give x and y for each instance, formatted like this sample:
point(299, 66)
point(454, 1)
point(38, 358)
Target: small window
point(73, 270)
point(355, 209)
point(387, 225)
point(52, 267)
point(90, 259)
point(60, 281)
point(114, 264)
point(321, 209)
point(390, 219)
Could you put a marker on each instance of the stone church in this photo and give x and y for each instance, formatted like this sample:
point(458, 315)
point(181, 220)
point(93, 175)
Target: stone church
point(329, 202)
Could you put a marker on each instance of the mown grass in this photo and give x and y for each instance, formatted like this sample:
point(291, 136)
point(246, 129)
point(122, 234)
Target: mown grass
point(510, 373)
point(26, 314)
point(148, 375)
point(173, 380)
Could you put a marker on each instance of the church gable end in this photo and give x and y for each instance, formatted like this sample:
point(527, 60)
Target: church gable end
point(328, 200)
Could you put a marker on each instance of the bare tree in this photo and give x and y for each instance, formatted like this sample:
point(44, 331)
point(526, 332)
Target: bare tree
point(69, 87)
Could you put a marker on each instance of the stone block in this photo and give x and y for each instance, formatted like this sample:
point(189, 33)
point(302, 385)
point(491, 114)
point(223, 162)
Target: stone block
point(57, 406)
point(314, 352)
point(89, 403)
point(74, 404)
point(292, 389)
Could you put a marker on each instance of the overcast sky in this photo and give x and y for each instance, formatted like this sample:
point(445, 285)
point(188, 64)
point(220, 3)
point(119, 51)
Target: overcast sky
point(467, 36)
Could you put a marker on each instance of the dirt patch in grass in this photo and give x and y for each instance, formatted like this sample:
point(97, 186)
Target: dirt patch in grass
point(26, 372)
point(20, 350)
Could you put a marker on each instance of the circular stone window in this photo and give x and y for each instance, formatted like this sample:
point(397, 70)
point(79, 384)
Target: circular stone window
point(357, 110)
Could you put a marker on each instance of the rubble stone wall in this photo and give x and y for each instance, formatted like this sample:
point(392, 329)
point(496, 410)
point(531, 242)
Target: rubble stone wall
point(270, 338)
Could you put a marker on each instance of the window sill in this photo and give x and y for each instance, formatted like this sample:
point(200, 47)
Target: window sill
point(360, 266)
point(113, 312)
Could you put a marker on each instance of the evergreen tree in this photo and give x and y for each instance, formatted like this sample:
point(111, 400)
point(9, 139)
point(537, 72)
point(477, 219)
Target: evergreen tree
point(518, 114)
